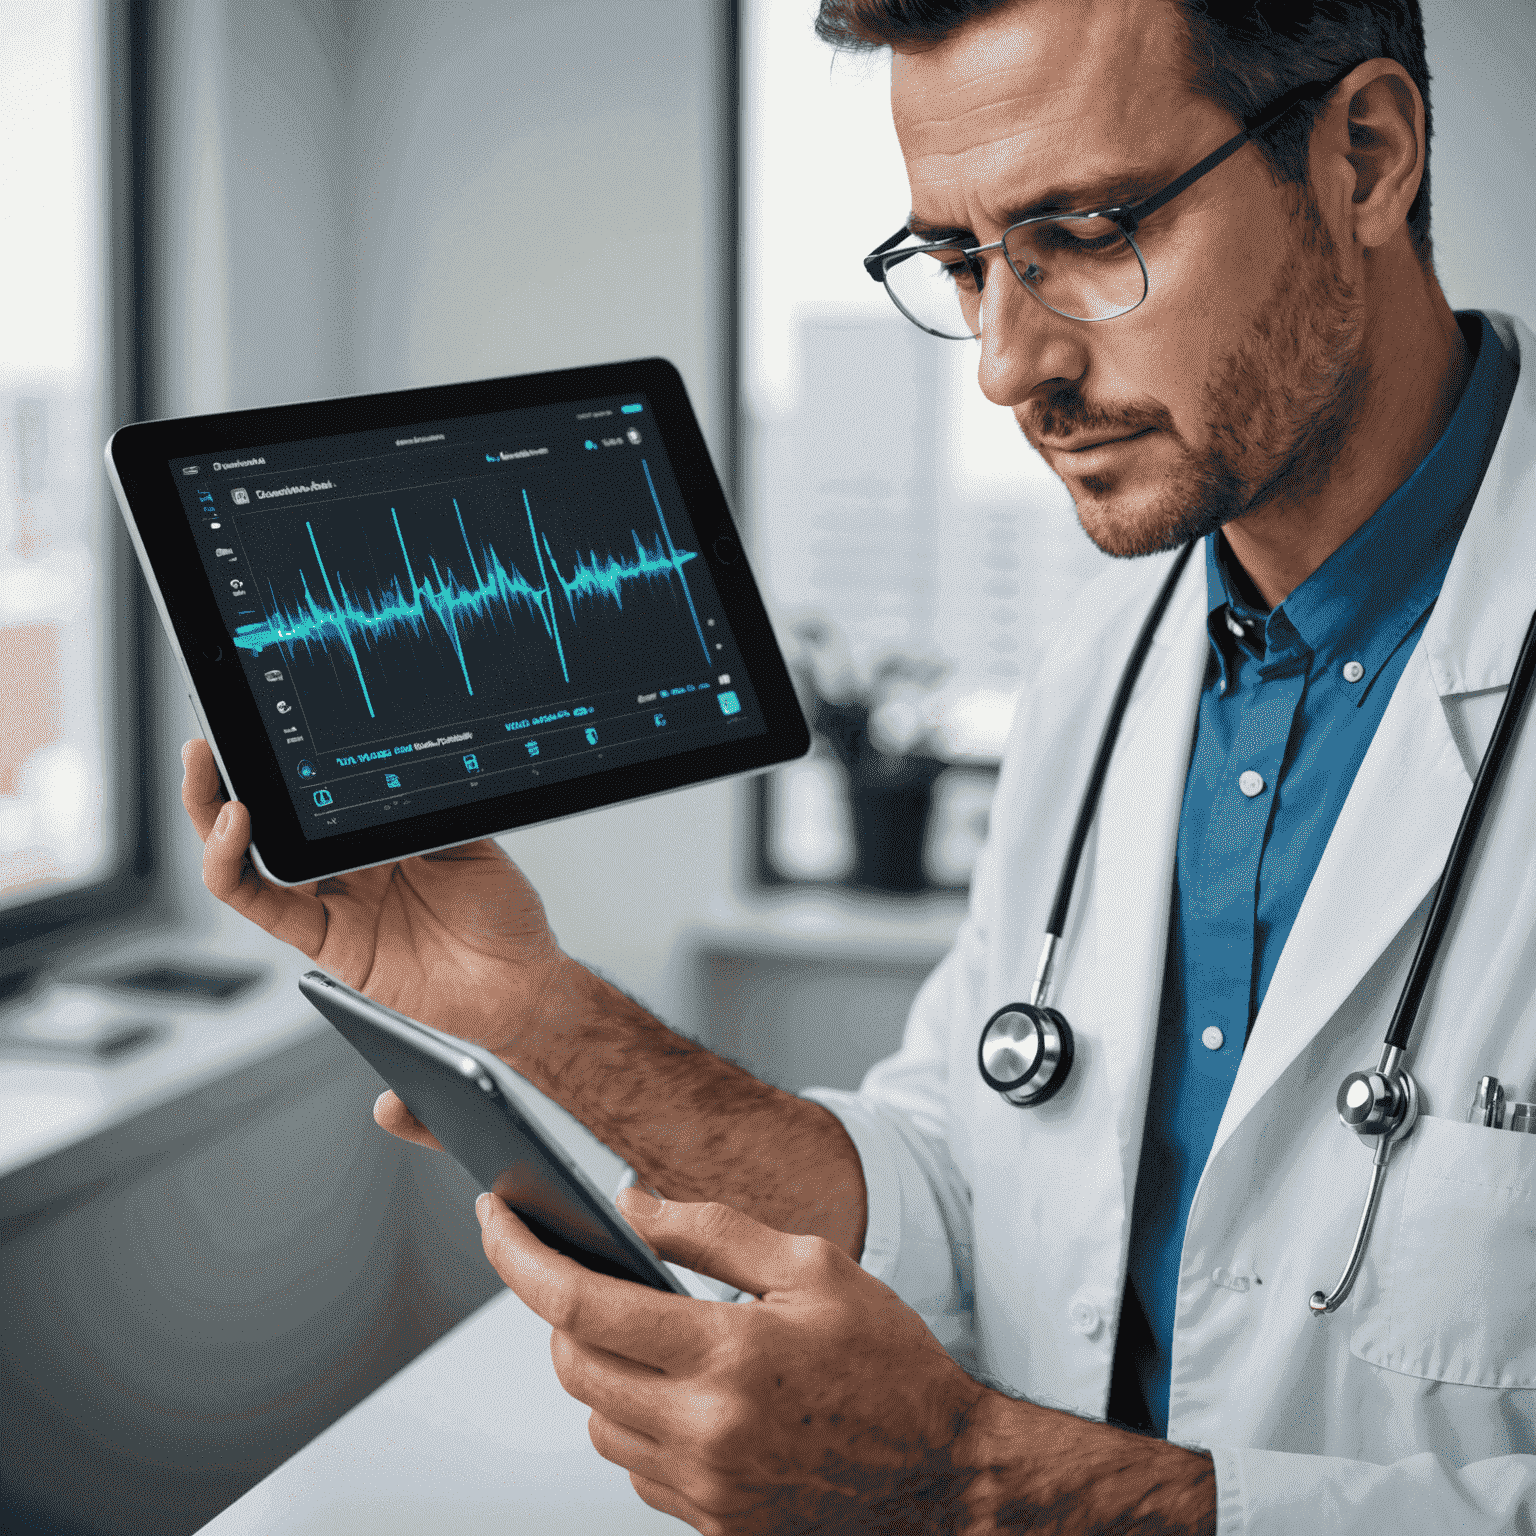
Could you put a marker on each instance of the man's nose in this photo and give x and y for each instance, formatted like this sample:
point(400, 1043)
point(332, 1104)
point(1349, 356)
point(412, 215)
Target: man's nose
point(1027, 350)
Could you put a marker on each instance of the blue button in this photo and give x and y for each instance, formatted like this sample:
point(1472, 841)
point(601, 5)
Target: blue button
point(471, 762)
point(307, 769)
point(729, 703)
point(631, 410)
point(323, 797)
point(591, 736)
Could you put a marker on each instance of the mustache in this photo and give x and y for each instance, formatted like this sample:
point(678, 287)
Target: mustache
point(1066, 414)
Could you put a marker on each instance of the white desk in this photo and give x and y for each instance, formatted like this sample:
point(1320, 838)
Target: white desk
point(474, 1436)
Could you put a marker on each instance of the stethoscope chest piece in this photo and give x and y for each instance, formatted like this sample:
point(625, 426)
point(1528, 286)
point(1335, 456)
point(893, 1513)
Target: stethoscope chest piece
point(1025, 1053)
point(1381, 1103)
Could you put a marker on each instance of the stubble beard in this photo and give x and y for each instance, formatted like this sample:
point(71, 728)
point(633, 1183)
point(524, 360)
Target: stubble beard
point(1277, 409)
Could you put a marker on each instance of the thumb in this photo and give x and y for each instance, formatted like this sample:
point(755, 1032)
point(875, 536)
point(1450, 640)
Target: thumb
point(719, 1241)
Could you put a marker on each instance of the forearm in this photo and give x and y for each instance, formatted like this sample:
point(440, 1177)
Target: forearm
point(692, 1125)
point(1037, 1469)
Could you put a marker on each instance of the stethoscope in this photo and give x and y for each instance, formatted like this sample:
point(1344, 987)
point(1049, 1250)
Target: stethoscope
point(1025, 1051)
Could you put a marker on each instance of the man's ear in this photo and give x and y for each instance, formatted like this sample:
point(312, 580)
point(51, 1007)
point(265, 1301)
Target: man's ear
point(1371, 143)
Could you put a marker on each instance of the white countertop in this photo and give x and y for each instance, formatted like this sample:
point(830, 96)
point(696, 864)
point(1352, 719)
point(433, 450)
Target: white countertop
point(474, 1436)
point(53, 1104)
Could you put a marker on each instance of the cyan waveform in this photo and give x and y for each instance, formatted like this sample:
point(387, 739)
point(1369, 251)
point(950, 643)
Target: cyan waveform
point(438, 596)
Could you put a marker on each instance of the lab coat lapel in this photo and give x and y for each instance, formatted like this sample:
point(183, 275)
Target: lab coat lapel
point(1136, 843)
point(1395, 830)
point(1386, 852)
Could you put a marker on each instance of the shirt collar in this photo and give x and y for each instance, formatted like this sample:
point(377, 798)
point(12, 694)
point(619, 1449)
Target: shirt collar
point(1367, 597)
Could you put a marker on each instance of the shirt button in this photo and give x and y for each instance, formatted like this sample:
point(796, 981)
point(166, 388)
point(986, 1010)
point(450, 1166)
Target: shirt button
point(1353, 671)
point(1234, 626)
point(1212, 1038)
point(1084, 1317)
point(1251, 783)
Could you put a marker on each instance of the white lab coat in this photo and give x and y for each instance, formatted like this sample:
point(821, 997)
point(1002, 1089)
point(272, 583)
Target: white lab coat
point(1413, 1408)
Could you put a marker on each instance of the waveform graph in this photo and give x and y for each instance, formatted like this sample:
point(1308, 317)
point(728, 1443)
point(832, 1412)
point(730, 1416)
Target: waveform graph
point(397, 613)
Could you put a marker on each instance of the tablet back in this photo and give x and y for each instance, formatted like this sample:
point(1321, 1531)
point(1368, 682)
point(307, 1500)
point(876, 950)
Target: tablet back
point(451, 1087)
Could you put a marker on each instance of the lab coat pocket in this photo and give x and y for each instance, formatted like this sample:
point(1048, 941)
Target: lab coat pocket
point(1451, 1294)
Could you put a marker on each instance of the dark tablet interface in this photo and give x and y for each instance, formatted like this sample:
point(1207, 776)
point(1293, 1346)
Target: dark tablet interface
point(443, 613)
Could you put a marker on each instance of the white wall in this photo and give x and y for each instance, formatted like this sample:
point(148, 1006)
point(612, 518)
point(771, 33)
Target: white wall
point(1482, 61)
point(379, 195)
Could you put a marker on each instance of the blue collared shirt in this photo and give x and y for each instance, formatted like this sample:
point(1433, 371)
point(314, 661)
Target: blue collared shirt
point(1291, 700)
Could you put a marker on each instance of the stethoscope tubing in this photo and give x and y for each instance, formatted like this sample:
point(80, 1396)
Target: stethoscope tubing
point(1056, 924)
point(1382, 1105)
point(1448, 887)
point(1392, 1073)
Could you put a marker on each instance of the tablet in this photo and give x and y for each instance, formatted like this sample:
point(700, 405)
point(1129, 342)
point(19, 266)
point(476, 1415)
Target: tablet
point(410, 620)
point(463, 1095)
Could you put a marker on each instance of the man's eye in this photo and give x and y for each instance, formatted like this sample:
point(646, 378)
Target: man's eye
point(1080, 237)
point(956, 271)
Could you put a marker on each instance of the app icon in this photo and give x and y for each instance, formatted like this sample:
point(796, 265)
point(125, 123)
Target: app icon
point(240, 496)
point(724, 679)
point(659, 719)
point(283, 706)
point(273, 676)
point(471, 762)
point(323, 797)
point(633, 434)
point(590, 443)
point(729, 703)
point(591, 735)
point(307, 769)
point(391, 781)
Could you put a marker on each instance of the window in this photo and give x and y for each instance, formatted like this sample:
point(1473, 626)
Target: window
point(891, 507)
point(69, 715)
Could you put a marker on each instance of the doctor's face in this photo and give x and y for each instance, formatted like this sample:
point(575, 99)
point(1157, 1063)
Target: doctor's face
point(1235, 380)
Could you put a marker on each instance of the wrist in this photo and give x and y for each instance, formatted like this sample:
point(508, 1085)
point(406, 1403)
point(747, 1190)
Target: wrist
point(522, 1007)
point(561, 1010)
point(1031, 1466)
point(989, 1456)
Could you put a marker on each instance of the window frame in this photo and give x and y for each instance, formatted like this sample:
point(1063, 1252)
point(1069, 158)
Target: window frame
point(40, 933)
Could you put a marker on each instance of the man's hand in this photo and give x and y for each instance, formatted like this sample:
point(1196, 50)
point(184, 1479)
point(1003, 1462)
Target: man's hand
point(459, 940)
point(824, 1405)
point(456, 939)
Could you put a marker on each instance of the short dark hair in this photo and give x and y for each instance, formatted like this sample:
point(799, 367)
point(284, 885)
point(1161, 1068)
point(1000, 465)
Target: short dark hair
point(1243, 54)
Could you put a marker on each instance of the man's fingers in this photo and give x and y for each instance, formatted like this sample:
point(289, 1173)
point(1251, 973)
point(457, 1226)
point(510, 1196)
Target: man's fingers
point(657, 1328)
point(724, 1243)
point(390, 1112)
point(294, 916)
point(622, 1390)
point(200, 792)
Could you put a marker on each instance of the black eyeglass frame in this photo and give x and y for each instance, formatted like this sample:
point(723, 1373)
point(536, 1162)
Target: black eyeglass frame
point(1126, 218)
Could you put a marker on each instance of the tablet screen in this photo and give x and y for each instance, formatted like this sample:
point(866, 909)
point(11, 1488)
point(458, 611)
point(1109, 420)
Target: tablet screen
point(454, 610)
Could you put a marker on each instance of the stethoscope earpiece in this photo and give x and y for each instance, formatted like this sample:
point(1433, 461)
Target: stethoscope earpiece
point(1025, 1053)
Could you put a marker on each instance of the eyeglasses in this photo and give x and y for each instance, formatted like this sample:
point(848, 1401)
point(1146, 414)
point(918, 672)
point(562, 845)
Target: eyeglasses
point(1085, 266)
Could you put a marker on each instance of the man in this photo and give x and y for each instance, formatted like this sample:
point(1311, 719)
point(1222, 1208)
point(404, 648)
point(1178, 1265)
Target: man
point(1292, 386)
